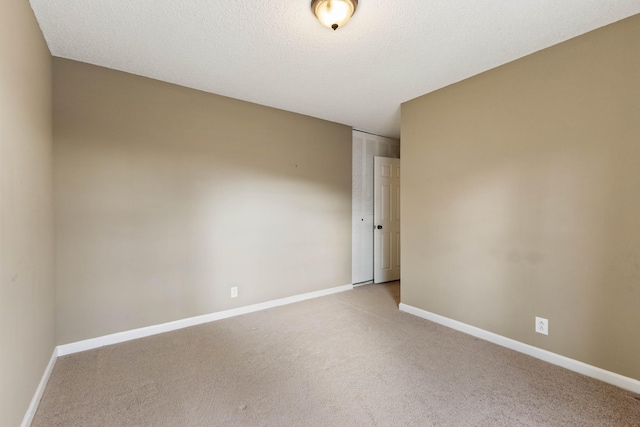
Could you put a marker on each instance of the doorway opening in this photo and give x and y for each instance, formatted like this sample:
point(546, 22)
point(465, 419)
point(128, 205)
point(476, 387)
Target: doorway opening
point(366, 147)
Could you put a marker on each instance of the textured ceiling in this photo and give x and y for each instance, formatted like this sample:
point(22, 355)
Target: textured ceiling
point(275, 53)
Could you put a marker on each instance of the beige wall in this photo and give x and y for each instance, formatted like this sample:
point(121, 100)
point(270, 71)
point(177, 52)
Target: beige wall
point(166, 197)
point(27, 320)
point(521, 198)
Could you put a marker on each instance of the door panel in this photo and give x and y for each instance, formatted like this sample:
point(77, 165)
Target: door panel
point(386, 219)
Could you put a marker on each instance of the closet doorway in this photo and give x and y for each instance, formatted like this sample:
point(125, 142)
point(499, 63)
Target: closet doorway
point(364, 231)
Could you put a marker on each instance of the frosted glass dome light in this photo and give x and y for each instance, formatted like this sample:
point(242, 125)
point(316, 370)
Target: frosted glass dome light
point(334, 13)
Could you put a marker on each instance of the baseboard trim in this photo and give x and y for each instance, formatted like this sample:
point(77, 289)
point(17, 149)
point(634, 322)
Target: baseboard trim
point(357, 285)
point(35, 401)
point(618, 380)
point(133, 334)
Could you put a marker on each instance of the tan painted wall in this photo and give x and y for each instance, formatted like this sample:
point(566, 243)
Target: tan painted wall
point(521, 198)
point(27, 301)
point(166, 197)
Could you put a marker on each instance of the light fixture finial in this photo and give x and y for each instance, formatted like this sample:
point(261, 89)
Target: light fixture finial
point(334, 13)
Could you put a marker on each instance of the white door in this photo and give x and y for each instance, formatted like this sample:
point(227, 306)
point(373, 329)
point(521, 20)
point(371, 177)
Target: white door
point(386, 220)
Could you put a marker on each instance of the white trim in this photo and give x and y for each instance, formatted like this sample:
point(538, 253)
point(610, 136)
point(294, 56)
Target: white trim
point(618, 380)
point(35, 401)
point(357, 285)
point(133, 334)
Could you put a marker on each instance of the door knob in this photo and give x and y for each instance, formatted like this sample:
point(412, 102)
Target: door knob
point(379, 227)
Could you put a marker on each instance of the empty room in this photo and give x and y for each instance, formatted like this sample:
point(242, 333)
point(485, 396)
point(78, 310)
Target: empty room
point(319, 213)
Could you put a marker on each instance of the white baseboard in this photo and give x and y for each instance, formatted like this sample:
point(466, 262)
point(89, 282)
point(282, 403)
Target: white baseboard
point(133, 334)
point(553, 358)
point(33, 406)
point(357, 285)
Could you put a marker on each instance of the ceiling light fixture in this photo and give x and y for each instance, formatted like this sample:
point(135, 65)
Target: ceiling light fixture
point(334, 13)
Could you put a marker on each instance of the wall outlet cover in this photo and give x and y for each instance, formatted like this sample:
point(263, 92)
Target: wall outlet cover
point(542, 326)
point(234, 292)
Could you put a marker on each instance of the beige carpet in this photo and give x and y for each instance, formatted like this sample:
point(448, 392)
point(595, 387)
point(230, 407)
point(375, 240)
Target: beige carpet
point(350, 359)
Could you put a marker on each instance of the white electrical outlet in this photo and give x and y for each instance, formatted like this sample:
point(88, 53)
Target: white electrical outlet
point(234, 292)
point(542, 326)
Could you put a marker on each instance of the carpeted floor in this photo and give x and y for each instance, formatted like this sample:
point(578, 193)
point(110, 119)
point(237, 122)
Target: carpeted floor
point(350, 359)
